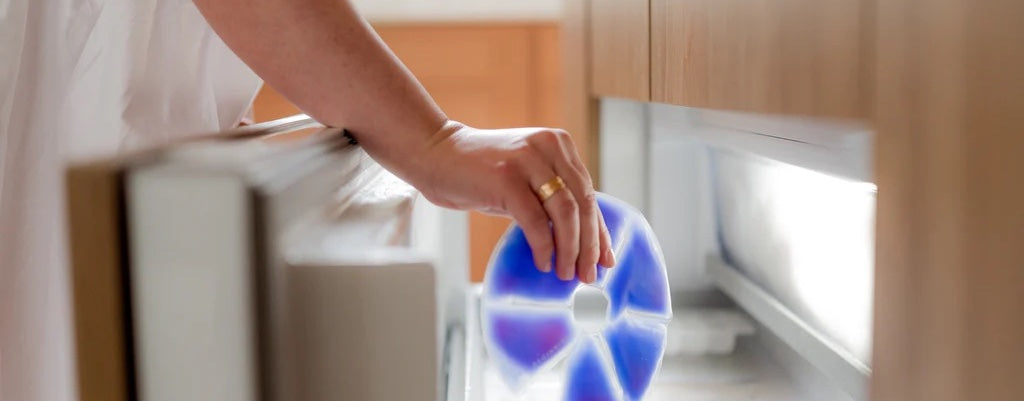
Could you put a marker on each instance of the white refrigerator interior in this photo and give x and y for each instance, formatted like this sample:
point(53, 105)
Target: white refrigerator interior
point(766, 224)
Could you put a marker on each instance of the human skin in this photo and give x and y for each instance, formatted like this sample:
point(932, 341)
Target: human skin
point(326, 59)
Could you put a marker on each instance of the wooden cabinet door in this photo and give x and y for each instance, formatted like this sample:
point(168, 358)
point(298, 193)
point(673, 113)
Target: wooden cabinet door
point(949, 162)
point(620, 49)
point(802, 57)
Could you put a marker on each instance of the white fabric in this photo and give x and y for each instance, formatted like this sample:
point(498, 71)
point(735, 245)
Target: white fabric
point(82, 79)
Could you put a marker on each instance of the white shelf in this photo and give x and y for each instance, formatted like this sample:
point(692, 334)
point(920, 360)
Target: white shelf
point(745, 374)
point(845, 371)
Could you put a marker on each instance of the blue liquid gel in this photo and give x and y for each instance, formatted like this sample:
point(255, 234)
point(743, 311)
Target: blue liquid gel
point(528, 323)
point(513, 273)
point(524, 341)
point(636, 348)
point(633, 285)
point(590, 378)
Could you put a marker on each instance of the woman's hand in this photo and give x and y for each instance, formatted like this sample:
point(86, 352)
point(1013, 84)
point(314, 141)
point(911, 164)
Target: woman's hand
point(499, 171)
point(340, 72)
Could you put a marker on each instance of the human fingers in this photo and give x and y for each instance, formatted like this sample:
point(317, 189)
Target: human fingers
point(607, 258)
point(561, 208)
point(556, 147)
point(533, 219)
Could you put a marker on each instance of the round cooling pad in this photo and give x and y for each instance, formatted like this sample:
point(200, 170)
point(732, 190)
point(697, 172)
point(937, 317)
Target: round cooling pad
point(528, 319)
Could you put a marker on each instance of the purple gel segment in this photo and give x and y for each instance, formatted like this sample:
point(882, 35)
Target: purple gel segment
point(522, 340)
point(515, 273)
point(527, 339)
point(636, 348)
point(512, 272)
point(589, 378)
point(639, 282)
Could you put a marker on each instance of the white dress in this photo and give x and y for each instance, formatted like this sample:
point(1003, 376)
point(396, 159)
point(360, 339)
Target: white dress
point(82, 79)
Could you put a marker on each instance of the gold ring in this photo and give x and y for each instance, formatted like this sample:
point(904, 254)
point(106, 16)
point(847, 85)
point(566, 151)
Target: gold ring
point(550, 188)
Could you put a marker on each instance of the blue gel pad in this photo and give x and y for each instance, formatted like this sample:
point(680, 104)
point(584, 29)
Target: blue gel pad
point(633, 287)
point(636, 347)
point(590, 377)
point(528, 323)
point(525, 341)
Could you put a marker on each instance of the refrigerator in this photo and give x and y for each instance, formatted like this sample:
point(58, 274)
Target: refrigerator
point(280, 262)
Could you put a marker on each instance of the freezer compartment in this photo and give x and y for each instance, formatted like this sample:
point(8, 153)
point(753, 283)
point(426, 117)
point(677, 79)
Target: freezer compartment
point(773, 216)
point(711, 372)
point(804, 236)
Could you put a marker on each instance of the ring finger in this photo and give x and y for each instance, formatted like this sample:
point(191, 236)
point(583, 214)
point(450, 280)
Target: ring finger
point(563, 211)
point(583, 192)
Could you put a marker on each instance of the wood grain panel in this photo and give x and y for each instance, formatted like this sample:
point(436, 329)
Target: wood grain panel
point(96, 246)
point(949, 292)
point(580, 109)
point(798, 57)
point(620, 48)
point(547, 76)
point(271, 105)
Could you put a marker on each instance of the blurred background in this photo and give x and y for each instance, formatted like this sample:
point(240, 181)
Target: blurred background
point(835, 186)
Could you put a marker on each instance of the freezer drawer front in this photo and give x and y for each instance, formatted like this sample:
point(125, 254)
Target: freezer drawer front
point(364, 331)
point(365, 311)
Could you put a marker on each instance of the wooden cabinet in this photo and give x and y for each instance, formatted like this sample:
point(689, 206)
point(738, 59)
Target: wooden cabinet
point(949, 155)
point(798, 57)
point(941, 85)
point(620, 48)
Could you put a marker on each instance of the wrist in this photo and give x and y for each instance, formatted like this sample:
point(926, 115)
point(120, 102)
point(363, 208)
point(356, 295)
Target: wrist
point(426, 154)
point(414, 157)
point(449, 128)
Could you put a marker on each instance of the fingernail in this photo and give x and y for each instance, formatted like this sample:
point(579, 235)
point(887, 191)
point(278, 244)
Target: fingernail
point(565, 275)
point(545, 267)
point(591, 273)
point(610, 256)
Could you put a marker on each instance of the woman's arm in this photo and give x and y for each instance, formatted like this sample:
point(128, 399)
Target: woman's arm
point(326, 59)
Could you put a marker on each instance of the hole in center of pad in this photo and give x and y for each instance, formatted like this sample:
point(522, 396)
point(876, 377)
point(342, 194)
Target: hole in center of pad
point(590, 309)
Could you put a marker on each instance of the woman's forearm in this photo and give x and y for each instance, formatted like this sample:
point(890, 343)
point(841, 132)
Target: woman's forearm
point(322, 56)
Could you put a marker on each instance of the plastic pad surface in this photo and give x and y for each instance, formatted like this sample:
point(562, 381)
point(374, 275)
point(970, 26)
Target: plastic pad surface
point(528, 319)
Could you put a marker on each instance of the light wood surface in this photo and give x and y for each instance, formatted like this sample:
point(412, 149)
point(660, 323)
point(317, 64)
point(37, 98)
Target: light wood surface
point(798, 57)
point(486, 75)
point(271, 105)
point(580, 108)
point(941, 83)
point(620, 48)
point(94, 228)
point(949, 292)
